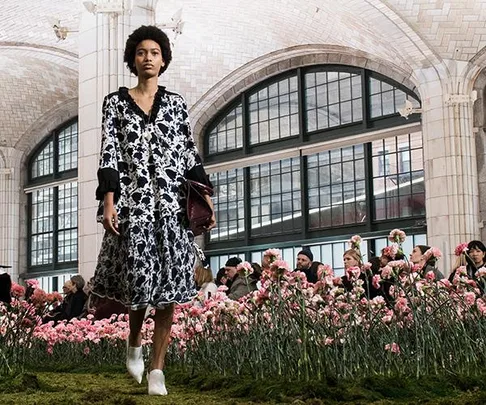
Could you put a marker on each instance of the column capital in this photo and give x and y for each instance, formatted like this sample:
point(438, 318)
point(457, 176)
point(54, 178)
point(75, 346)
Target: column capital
point(456, 99)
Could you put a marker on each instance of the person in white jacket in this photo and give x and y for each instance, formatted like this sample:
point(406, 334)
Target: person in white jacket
point(205, 281)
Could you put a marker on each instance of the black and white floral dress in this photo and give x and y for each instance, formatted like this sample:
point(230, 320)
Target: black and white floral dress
point(145, 161)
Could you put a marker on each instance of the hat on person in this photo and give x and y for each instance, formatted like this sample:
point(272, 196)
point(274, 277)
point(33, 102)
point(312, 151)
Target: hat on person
point(233, 262)
point(308, 253)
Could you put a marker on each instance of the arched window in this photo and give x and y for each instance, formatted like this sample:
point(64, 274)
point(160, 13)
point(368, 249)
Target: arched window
point(311, 157)
point(53, 205)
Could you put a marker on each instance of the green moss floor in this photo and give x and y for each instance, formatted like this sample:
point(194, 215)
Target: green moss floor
point(115, 387)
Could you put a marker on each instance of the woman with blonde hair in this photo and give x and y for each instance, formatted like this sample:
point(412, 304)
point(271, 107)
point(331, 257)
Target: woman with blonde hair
point(205, 281)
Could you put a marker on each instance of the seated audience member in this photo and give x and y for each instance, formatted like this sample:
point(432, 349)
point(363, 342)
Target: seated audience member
point(351, 258)
point(475, 258)
point(304, 260)
point(311, 272)
point(70, 307)
point(5, 287)
point(205, 281)
point(79, 298)
point(222, 279)
point(389, 254)
point(241, 284)
point(367, 276)
point(417, 258)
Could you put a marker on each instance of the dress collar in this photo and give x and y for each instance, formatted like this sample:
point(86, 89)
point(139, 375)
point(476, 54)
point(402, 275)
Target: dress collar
point(125, 95)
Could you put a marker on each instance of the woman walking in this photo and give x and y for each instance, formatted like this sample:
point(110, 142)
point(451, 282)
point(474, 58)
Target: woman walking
point(147, 153)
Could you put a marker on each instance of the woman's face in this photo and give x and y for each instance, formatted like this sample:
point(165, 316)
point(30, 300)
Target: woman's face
point(148, 59)
point(349, 261)
point(416, 255)
point(477, 255)
point(68, 287)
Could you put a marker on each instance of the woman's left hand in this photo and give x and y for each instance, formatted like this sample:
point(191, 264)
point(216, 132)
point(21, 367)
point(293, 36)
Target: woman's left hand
point(212, 223)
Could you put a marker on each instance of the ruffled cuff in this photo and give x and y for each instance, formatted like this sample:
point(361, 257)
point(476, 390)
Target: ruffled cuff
point(197, 173)
point(108, 180)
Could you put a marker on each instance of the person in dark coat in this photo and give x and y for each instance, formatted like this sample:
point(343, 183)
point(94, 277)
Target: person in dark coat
point(71, 306)
point(5, 287)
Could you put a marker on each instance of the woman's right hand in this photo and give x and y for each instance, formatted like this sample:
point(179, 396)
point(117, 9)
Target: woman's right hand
point(110, 216)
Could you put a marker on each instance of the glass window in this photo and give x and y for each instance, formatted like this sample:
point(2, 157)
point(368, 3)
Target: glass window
point(336, 187)
point(365, 188)
point(43, 163)
point(275, 199)
point(398, 191)
point(274, 111)
point(228, 133)
point(53, 230)
point(228, 204)
point(386, 99)
point(332, 99)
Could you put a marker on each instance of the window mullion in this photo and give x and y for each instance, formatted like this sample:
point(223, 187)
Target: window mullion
point(247, 204)
point(55, 224)
point(304, 201)
point(369, 192)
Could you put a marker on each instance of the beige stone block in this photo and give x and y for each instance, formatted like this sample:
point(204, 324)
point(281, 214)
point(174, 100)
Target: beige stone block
point(89, 143)
point(88, 67)
point(437, 206)
point(86, 190)
point(87, 42)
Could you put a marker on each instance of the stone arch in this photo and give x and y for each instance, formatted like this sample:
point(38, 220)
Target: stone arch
point(44, 126)
point(227, 89)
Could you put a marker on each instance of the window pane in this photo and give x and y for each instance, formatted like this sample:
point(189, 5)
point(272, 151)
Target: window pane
point(226, 135)
point(42, 213)
point(228, 202)
point(398, 190)
point(336, 96)
point(279, 102)
point(338, 203)
point(68, 148)
point(275, 197)
point(43, 164)
point(386, 99)
point(67, 222)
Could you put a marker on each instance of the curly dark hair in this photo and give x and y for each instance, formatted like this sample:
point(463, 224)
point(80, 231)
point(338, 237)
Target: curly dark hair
point(141, 34)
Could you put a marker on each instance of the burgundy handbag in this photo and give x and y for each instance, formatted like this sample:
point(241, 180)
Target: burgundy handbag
point(198, 211)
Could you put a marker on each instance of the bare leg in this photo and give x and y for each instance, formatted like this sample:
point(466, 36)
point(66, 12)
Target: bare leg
point(160, 339)
point(136, 319)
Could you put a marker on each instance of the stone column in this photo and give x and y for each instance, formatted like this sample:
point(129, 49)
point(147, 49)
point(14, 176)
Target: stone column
point(102, 40)
point(451, 179)
point(9, 211)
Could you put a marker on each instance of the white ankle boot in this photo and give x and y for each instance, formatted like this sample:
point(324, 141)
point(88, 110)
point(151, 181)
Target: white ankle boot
point(134, 363)
point(156, 383)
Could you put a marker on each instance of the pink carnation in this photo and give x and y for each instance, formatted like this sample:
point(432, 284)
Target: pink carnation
point(353, 273)
point(390, 251)
point(17, 290)
point(355, 241)
point(376, 281)
point(481, 273)
point(397, 235)
point(244, 268)
point(280, 264)
point(275, 254)
point(460, 249)
point(469, 297)
point(432, 253)
point(324, 270)
point(386, 272)
point(34, 283)
point(394, 348)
